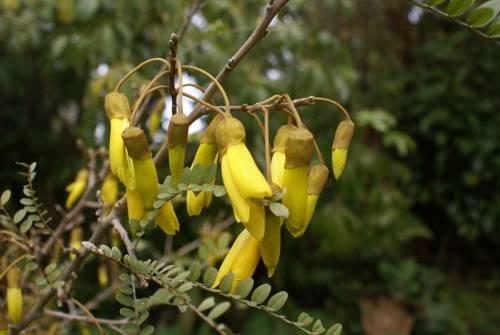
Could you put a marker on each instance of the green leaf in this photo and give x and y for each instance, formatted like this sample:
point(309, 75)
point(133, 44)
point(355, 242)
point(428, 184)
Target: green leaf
point(127, 312)
point(484, 14)
point(336, 329)
point(244, 288)
point(261, 293)
point(125, 300)
point(116, 254)
point(26, 201)
point(130, 329)
point(210, 173)
point(148, 330)
point(277, 301)
point(458, 7)
point(50, 268)
point(278, 209)
point(185, 287)
point(209, 276)
point(53, 276)
point(31, 266)
point(304, 319)
point(218, 310)
point(206, 304)
point(41, 281)
point(223, 240)
point(25, 226)
point(318, 327)
point(143, 317)
point(85, 9)
point(159, 204)
point(20, 214)
point(196, 176)
point(226, 283)
point(219, 191)
point(125, 277)
point(5, 197)
point(494, 28)
point(194, 271)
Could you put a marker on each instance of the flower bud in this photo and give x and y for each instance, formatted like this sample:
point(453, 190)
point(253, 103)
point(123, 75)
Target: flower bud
point(176, 140)
point(242, 259)
point(167, 220)
point(298, 152)
point(76, 188)
point(278, 158)
point(14, 295)
point(209, 133)
point(75, 240)
point(340, 146)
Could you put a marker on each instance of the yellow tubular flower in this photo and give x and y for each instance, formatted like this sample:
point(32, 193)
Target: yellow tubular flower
point(242, 259)
point(205, 155)
point(298, 152)
point(242, 178)
point(278, 158)
point(76, 188)
point(14, 295)
point(177, 139)
point(135, 205)
point(271, 244)
point(118, 110)
point(75, 239)
point(109, 192)
point(256, 225)
point(102, 275)
point(155, 119)
point(167, 220)
point(340, 146)
point(315, 184)
point(146, 183)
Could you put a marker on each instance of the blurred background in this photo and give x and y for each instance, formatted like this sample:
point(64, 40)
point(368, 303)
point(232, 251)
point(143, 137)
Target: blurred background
point(407, 242)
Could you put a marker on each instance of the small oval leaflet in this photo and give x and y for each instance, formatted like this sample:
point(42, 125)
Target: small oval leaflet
point(219, 310)
point(261, 293)
point(226, 283)
point(209, 276)
point(5, 197)
point(244, 288)
point(206, 304)
point(336, 329)
point(20, 214)
point(277, 301)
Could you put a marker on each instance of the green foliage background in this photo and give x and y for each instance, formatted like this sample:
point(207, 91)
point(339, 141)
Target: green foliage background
point(416, 215)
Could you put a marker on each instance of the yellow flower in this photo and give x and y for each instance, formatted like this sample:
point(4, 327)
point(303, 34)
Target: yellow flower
point(167, 220)
point(315, 184)
point(340, 146)
point(118, 110)
point(76, 188)
point(109, 192)
point(298, 152)
point(242, 259)
point(75, 240)
point(146, 181)
point(14, 295)
point(177, 139)
point(155, 119)
point(135, 205)
point(278, 158)
point(102, 275)
point(271, 244)
point(242, 178)
point(205, 155)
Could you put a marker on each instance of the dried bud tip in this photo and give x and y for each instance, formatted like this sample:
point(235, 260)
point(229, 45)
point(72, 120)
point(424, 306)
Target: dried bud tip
point(116, 105)
point(299, 148)
point(177, 131)
point(343, 134)
point(281, 137)
point(229, 131)
point(137, 143)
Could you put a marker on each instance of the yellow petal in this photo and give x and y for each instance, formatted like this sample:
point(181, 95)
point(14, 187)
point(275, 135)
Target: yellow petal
point(205, 154)
point(102, 275)
point(242, 259)
point(241, 206)
point(208, 198)
point(15, 304)
point(295, 199)
point(154, 123)
point(246, 175)
point(278, 167)
point(271, 244)
point(339, 158)
point(119, 162)
point(146, 183)
point(195, 202)
point(135, 206)
point(312, 200)
point(176, 162)
point(77, 187)
point(257, 223)
point(167, 220)
point(109, 191)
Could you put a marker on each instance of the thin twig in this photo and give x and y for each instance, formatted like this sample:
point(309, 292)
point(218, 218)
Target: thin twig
point(75, 317)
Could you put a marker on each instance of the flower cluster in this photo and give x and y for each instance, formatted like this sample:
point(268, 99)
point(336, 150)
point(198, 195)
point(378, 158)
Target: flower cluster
point(287, 193)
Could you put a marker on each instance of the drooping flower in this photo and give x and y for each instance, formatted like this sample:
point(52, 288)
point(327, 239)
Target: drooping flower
point(144, 195)
point(205, 155)
point(278, 158)
point(340, 146)
point(243, 180)
point(315, 184)
point(14, 295)
point(176, 140)
point(102, 275)
point(298, 152)
point(271, 243)
point(109, 192)
point(155, 119)
point(75, 240)
point(241, 260)
point(118, 110)
point(76, 188)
